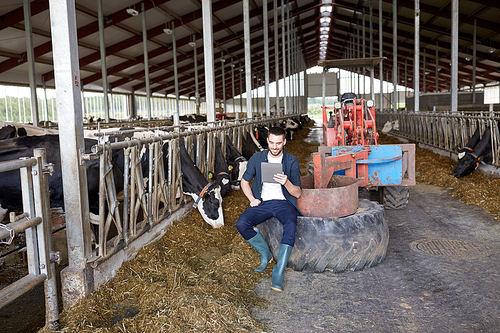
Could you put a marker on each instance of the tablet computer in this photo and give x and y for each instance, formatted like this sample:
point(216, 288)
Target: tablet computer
point(269, 170)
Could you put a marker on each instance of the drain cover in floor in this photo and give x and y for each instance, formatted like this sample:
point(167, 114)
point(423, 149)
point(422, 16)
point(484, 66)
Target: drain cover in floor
point(449, 248)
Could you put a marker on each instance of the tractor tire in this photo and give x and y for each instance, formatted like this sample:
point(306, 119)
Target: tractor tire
point(334, 244)
point(396, 197)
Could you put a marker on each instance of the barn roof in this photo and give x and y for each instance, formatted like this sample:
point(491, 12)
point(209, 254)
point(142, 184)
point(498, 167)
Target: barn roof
point(124, 46)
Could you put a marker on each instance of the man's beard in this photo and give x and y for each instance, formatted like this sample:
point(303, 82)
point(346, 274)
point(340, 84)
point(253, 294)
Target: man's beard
point(279, 152)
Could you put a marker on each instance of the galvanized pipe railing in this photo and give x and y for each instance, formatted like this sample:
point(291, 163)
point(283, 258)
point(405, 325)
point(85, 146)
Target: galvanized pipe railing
point(161, 193)
point(445, 131)
point(35, 222)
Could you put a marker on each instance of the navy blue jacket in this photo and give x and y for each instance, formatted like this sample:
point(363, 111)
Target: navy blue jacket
point(290, 166)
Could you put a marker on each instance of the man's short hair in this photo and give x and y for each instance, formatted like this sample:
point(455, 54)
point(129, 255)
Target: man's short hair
point(277, 131)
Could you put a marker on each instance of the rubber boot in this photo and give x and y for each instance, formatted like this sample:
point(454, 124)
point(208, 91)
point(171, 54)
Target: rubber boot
point(279, 269)
point(260, 245)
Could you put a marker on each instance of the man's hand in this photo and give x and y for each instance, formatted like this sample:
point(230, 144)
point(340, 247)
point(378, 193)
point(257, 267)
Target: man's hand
point(254, 203)
point(280, 178)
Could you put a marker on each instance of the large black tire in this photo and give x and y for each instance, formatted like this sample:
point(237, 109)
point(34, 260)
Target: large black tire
point(347, 243)
point(396, 197)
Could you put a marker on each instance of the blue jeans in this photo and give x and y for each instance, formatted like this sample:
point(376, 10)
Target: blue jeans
point(280, 209)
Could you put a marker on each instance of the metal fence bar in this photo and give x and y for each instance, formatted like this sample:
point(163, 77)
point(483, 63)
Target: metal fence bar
point(154, 199)
point(446, 131)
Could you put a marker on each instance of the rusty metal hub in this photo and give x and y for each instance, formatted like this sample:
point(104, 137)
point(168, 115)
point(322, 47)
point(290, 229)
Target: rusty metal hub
point(339, 198)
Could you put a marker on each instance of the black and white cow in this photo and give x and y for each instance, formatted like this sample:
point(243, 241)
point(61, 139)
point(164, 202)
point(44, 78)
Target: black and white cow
point(10, 183)
point(7, 132)
point(471, 144)
point(237, 164)
point(249, 147)
point(471, 159)
point(193, 118)
point(290, 125)
point(221, 172)
point(207, 196)
point(260, 134)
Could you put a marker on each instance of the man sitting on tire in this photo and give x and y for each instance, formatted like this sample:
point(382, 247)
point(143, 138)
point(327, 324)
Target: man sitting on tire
point(277, 199)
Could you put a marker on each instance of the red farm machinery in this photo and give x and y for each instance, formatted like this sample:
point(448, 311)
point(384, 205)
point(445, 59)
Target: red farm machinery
point(350, 147)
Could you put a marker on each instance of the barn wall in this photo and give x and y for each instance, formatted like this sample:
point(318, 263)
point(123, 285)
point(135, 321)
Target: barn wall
point(442, 101)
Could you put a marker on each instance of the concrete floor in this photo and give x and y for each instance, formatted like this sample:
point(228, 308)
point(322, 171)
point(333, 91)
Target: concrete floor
point(441, 274)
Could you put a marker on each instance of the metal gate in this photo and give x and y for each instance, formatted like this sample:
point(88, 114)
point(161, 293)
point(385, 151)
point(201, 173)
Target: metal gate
point(35, 222)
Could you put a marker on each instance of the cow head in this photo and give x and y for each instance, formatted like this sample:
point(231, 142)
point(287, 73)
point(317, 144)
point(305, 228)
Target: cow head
point(209, 205)
point(237, 168)
point(466, 164)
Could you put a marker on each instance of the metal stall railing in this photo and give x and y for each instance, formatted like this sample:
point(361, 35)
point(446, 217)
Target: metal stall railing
point(445, 131)
point(153, 198)
point(35, 222)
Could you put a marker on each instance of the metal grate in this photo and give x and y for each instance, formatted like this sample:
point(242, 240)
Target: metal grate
point(449, 248)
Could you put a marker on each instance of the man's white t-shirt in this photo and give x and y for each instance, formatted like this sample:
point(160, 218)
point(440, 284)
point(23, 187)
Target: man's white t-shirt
point(272, 191)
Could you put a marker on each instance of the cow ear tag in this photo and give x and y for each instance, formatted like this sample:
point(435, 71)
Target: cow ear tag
point(230, 168)
point(210, 175)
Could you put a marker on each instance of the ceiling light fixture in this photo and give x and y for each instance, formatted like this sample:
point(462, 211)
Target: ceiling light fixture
point(132, 11)
point(326, 8)
point(325, 20)
point(192, 44)
point(491, 50)
point(167, 31)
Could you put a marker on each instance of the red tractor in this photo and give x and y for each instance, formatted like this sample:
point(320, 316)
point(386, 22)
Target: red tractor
point(351, 122)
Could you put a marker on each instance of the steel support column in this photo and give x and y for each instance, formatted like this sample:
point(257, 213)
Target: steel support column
point(266, 57)
point(437, 67)
point(75, 281)
point(241, 91)
point(276, 56)
point(196, 87)
point(454, 56)
point(176, 78)
point(146, 61)
point(380, 54)
point(372, 69)
point(31, 63)
point(406, 84)
point(364, 54)
point(232, 83)
point(248, 57)
point(283, 53)
point(289, 56)
point(424, 74)
point(395, 53)
point(416, 62)
point(474, 64)
point(208, 51)
point(102, 48)
point(222, 62)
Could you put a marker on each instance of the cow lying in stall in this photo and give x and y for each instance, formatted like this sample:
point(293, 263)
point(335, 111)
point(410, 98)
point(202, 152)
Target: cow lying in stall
point(476, 152)
point(10, 183)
